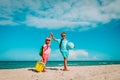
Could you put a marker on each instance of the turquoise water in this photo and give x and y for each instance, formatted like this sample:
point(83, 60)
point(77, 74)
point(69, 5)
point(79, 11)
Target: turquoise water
point(27, 64)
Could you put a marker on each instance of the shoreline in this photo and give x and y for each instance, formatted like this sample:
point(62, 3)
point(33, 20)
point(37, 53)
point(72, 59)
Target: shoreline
point(27, 64)
point(61, 66)
point(99, 72)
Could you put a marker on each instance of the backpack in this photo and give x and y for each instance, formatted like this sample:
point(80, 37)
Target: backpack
point(60, 43)
point(41, 51)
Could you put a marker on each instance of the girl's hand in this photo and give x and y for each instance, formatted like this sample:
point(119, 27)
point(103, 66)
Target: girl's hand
point(51, 34)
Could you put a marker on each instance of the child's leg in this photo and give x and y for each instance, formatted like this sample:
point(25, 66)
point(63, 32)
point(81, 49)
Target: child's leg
point(41, 60)
point(65, 64)
point(44, 61)
point(65, 56)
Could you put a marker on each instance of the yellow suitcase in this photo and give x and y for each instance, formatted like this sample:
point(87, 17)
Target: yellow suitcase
point(39, 66)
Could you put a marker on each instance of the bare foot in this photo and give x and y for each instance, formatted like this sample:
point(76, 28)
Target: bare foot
point(44, 71)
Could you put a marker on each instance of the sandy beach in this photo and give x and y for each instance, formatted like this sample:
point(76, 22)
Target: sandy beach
point(101, 72)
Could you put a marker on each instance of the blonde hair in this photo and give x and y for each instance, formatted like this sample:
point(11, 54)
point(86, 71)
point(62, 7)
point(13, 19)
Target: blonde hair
point(48, 38)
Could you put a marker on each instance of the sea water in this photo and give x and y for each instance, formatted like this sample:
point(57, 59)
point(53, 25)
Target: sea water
point(28, 64)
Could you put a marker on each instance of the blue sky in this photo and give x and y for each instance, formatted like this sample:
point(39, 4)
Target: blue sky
point(93, 26)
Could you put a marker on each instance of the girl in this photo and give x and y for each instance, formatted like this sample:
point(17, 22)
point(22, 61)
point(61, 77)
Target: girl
point(46, 52)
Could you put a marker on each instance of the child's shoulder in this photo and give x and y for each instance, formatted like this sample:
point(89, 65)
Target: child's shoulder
point(44, 45)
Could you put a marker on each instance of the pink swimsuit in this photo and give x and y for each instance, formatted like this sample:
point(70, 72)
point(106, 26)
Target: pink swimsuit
point(47, 51)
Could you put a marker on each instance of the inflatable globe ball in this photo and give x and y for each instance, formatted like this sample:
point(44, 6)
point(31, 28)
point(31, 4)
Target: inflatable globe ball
point(70, 45)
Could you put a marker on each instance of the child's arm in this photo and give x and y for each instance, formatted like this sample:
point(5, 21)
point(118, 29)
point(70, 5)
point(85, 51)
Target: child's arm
point(51, 34)
point(44, 48)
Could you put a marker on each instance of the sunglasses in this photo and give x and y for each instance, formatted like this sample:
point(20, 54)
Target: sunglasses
point(48, 40)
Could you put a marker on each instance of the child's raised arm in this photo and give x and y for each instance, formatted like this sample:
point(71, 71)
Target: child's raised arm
point(51, 34)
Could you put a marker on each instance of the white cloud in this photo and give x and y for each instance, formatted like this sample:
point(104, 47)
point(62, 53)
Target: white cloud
point(95, 55)
point(52, 23)
point(73, 55)
point(57, 14)
point(78, 54)
point(8, 22)
point(111, 8)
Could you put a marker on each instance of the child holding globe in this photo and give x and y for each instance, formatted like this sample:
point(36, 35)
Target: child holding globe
point(64, 47)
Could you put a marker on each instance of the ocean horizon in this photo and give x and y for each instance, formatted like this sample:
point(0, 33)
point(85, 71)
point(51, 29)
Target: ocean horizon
point(31, 64)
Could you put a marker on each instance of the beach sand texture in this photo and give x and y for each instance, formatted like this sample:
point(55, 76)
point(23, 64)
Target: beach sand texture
point(101, 72)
